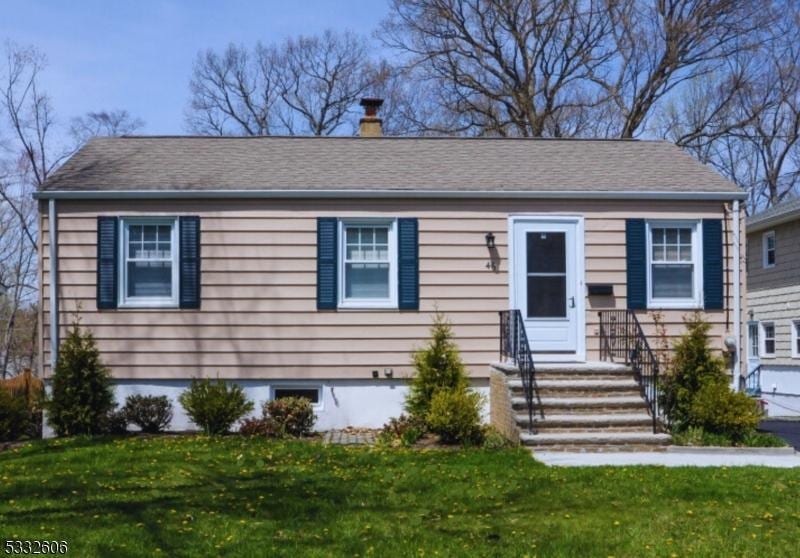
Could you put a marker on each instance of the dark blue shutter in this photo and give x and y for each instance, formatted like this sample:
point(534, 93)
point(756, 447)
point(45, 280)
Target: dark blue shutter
point(636, 260)
point(189, 266)
point(712, 265)
point(327, 249)
point(408, 264)
point(107, 270)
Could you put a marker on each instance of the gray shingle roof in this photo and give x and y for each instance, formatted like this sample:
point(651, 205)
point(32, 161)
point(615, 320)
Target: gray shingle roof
point(783, 211)
point(351, 163)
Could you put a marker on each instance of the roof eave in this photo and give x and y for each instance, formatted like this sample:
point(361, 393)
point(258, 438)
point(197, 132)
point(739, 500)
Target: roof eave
point(774, 221)
point(480, 194)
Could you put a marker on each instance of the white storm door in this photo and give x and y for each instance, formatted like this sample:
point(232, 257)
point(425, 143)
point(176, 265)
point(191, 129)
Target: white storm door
point(545, 283)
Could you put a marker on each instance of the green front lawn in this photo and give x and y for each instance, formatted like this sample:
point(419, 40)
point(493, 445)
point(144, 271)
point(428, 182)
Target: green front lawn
point(194, 496)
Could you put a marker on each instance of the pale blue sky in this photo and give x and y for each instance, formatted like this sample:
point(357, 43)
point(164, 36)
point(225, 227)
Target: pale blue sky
point(138, 55)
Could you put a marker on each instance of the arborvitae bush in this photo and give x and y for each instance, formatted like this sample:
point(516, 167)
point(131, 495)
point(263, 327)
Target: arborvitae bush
point(696, 394)
point(438, 366)
point(82, 392)
point(439, 396)
point(214, 406)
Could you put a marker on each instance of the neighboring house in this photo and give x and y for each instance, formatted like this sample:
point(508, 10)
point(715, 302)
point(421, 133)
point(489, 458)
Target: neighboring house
point(773, 298)
point(313, 265)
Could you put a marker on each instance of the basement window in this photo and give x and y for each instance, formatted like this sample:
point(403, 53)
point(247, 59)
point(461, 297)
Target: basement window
point(312, 393)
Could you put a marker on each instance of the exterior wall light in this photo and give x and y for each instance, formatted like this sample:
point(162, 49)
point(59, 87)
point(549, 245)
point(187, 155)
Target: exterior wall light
point(490, 240)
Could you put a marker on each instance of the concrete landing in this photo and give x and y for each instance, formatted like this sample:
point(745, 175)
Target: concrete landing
point(673, 457)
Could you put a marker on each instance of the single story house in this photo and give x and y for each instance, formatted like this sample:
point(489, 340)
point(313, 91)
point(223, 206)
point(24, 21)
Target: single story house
point(314, 265)
point(773, 300)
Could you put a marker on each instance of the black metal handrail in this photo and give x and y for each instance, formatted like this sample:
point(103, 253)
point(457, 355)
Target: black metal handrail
point(751, 384)
point(514, 348)
point(621, 337)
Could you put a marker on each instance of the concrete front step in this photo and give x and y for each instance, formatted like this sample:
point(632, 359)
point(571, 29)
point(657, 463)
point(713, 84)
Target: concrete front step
point(580, 384)
point(599, 448)
point(594, 420)
point(593, 438)
point(552, 404)
point(583, 376)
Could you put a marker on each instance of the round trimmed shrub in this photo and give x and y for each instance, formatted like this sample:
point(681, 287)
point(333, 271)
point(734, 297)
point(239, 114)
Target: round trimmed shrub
point(718, 410)
point(151, 413)
point(290, 416)
point(455, 415)
point(214, 406)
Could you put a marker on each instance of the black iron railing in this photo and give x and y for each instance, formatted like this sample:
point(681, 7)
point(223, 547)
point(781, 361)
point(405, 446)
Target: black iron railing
point(514, 348)
point(622, 340)
point(751, 384)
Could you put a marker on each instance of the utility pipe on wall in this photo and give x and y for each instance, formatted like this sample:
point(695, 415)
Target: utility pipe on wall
point(52, 225)
point(737, 301)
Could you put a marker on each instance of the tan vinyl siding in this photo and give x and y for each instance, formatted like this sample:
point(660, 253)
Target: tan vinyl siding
point(786, 271)
point(780, 306)
point(258, 316)
point(774, 293)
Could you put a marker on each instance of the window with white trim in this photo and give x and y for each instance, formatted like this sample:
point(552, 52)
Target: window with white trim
point(768, 248)
point(673, 264)
point(752, 334)
point(768, 344)
point(368, 269)
point(796, 339)
point(149, 270)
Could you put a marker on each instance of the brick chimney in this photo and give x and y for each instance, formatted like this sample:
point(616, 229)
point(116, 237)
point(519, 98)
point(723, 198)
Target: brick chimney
point(370, 125)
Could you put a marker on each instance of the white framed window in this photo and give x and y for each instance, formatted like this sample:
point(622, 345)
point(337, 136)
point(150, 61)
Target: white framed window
point(768, 339)
point(753, 345)
point(674, 273)
point(368, 263)
point(796, 339)
point(768, 248)
point(148, 271)
point(312, 393)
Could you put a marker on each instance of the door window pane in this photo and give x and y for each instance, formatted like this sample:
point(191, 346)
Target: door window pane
point(547, 277)
point(753, 333)
point(547, 296)
point(546, 252)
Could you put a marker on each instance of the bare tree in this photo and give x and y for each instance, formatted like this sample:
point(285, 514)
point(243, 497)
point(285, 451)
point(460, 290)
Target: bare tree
point(661, 44)
point(517, 67)
point(29, 152)
point(233, 93)
point(748, 130)
point(320, 79)
point(103, 123)
point(307, 85)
